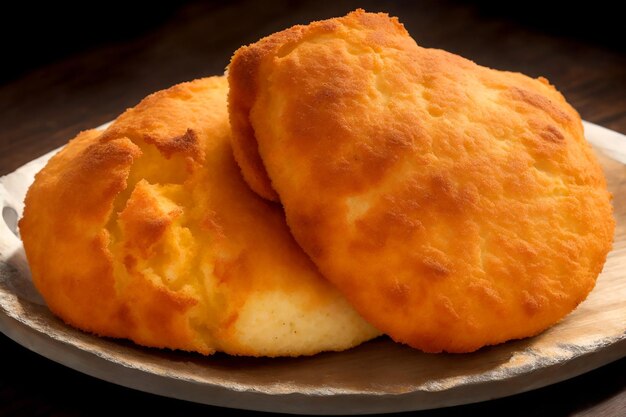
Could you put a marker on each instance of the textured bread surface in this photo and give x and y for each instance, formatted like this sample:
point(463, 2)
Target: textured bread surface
point(147, 231)
point(454, 205)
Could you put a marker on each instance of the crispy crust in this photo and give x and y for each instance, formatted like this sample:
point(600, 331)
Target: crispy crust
point(243, 73)
point(148, 232)
point(454, 205)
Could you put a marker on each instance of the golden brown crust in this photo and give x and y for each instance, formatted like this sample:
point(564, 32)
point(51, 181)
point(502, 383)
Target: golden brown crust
point(147, 231)
point(454, 205)
point(243, 81)
point(85, 303)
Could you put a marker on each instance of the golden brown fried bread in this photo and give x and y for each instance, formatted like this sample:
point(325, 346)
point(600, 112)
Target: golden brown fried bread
point(148, 232)
point(454, 205)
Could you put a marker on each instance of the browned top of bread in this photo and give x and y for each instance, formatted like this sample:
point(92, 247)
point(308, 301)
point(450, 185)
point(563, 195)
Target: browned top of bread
point(455, 206)
point(147, 231)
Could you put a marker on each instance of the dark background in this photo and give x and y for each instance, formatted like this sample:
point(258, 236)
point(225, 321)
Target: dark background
point(38, 34)
point(68, 68)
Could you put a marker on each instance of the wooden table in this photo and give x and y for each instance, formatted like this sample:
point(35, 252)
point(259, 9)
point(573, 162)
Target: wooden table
point(43, 108)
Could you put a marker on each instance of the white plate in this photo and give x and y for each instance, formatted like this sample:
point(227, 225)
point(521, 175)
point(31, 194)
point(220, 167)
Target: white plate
point(379, 376)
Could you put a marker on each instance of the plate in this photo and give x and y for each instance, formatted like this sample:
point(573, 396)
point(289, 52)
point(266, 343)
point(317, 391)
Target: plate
point(377, 377)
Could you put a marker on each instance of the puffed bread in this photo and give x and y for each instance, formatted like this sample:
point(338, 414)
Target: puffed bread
point(148, 232)
point(454, 205)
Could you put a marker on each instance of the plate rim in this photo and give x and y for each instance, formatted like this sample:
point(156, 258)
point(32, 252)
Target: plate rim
point(89, 363)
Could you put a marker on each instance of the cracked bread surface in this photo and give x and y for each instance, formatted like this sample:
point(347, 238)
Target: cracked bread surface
point(147, 231)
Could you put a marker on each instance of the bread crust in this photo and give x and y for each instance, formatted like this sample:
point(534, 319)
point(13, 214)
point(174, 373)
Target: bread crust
point(454, 205)
point(147, 231)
